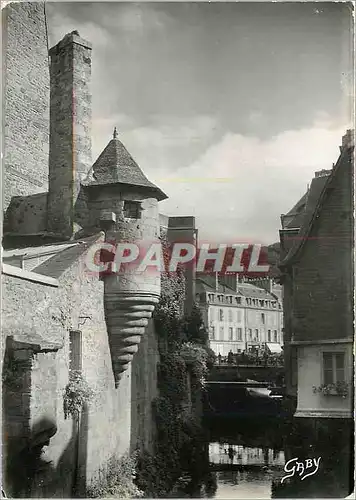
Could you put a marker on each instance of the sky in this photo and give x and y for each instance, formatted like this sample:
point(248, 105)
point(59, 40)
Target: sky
point(229, 108)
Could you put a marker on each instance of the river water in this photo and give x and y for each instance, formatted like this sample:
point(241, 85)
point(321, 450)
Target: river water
point(247, 457)
point(247, 472)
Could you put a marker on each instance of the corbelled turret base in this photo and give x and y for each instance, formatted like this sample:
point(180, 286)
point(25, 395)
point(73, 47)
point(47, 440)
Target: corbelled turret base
point(127, 316)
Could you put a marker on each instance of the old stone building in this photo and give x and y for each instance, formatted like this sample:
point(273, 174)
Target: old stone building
point(60, 316)
point(317, 242)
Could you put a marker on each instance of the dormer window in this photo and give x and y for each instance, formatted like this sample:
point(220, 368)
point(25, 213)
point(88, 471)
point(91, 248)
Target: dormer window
point(132, 209)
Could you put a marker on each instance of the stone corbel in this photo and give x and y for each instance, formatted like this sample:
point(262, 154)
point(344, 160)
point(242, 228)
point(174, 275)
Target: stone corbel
point(130, 296)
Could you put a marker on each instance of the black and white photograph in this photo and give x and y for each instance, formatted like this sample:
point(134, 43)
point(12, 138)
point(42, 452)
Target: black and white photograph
point(177, 290)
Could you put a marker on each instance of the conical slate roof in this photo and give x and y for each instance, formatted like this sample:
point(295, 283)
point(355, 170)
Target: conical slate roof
point(115, 165)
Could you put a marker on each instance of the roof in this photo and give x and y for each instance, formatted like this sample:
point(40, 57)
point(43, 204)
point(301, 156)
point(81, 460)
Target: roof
point(62, 260)
point(52, 259)
point(29, 252)
point(115, 165)
point(292, 218)
point(207, 284)
point(248, 290)
point(316, 197)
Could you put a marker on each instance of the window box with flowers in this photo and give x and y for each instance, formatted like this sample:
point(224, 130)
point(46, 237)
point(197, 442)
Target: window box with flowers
point(334, 389)
point(333, 376)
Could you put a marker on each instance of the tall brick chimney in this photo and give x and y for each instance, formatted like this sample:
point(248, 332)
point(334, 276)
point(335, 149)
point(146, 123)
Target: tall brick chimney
point(70, 130)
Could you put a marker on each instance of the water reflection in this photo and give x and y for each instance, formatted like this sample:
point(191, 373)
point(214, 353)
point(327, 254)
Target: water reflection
point(248, 456)
point(243, 471)
point(221, 453)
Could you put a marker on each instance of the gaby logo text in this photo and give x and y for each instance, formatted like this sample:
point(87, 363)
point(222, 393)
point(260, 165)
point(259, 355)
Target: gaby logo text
point(303, 468)
point(115, 258)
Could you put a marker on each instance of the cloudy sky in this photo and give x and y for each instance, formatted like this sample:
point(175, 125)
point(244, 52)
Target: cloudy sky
point(228, 107)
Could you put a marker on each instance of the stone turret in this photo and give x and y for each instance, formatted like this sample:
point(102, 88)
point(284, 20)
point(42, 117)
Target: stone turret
point(124, 203)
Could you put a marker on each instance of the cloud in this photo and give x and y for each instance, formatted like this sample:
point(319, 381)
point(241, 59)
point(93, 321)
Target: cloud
point(138, 18)
point(172, 131)
point(240, 186)
point(59, 24)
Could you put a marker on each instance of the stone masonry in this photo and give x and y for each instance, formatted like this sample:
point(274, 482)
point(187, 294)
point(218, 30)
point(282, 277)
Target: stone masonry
point(26, 100)
point(70, 132)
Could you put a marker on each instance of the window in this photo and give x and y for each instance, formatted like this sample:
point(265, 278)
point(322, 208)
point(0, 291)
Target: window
point(212, 332)
point(238, 300)
point(75, 350)
point(256, 334)
point(132, 209)
point(239, 334)
point(231, 333)
point(230, 299)
point(239, 316)
point(221, 333)
point(333, 367)
point(275, 336)
point(263, 319)
point(250, 333)
point(230, 315)
point(269, 336)
point(221, 315)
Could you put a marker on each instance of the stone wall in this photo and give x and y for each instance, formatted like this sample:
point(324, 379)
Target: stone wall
point(26, 100)
point(50, 313)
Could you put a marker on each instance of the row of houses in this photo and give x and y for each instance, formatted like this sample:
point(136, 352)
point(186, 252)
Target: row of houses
point(240, 319)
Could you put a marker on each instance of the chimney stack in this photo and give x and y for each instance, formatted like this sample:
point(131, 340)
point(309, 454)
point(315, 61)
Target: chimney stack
point(70, 130)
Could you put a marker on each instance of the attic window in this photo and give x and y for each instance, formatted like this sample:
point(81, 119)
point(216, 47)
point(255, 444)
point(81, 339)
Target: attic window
point(132, 209)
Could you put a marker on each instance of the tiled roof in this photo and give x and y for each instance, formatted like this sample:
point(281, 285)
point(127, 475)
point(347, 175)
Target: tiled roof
point(115, 165)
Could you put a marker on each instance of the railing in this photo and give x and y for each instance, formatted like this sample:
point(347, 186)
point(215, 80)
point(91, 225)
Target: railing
point(250, 360)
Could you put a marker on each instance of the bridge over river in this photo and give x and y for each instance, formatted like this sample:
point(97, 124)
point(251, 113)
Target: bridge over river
point(244, 390)
point(274, 374)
